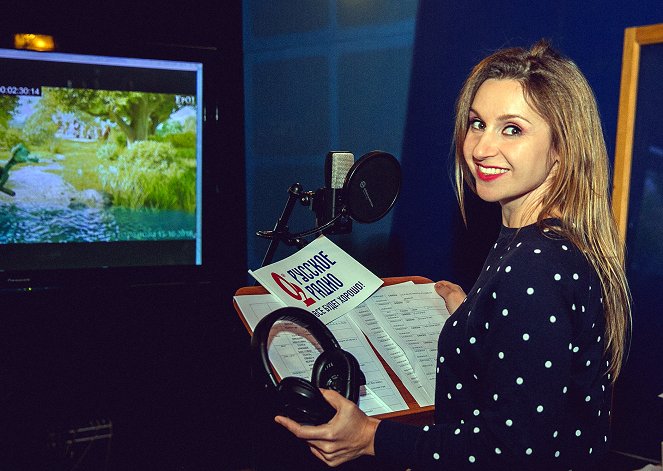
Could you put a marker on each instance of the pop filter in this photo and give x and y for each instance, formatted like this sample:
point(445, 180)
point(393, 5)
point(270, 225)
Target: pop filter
point(372, 186)
point(369, 191)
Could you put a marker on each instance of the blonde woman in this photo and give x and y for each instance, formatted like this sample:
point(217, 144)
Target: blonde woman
point(528, 356)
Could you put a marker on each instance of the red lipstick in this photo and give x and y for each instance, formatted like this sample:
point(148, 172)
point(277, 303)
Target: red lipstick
point(488, 174)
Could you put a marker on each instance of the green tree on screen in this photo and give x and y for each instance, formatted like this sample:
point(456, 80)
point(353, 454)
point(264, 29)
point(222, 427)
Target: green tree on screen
point(7, 105)
point(137, 114)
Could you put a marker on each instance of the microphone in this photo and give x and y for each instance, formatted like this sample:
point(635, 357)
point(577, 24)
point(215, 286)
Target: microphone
point(362, 191)
point(328, 201)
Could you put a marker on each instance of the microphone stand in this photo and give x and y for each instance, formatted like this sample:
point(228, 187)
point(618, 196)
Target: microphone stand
point(280, 232)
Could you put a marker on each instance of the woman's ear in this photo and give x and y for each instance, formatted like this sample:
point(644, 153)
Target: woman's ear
point(554, 163)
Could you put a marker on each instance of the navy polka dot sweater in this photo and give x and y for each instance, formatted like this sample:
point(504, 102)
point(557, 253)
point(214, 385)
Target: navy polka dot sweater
point(522, 380)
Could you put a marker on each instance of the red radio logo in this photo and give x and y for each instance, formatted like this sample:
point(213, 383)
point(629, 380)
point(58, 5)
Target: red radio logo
point(292, 290)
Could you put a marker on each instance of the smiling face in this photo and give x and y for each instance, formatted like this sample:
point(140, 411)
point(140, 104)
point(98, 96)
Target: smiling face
point(508, 149)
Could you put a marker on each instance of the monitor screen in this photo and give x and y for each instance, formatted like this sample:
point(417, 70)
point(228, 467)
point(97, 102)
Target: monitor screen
point(100, 163)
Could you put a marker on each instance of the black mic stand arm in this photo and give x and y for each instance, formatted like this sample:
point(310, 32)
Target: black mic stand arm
point(280, 232)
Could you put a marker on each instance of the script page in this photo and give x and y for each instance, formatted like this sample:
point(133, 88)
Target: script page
point(391, 352)
point(412, 317)
point(292, 352)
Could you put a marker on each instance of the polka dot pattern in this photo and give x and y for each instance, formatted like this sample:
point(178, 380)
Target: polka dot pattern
point(516, 377)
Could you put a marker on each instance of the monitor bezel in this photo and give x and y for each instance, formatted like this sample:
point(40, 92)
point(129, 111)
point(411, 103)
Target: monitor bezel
point(220, 185)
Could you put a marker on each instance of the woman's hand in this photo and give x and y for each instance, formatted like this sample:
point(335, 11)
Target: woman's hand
point(453, 294)
point(348, 435)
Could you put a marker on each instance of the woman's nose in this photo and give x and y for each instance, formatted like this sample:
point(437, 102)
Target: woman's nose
point(485, 146)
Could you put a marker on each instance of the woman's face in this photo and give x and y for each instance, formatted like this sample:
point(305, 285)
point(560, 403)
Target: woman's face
point(508, 150)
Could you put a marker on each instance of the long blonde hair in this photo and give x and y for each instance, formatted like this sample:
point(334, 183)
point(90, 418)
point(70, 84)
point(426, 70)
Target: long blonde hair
point(578, 193)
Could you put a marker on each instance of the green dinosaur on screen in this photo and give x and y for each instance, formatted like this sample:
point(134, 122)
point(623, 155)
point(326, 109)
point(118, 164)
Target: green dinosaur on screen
point(18, 155)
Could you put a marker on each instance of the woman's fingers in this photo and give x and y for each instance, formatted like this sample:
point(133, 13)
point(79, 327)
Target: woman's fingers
point(452, 293)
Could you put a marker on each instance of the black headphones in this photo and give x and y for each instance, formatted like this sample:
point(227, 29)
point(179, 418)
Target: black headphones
point(335, 368)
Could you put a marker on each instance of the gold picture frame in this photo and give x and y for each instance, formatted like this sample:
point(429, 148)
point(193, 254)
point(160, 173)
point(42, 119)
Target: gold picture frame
point(634, 39)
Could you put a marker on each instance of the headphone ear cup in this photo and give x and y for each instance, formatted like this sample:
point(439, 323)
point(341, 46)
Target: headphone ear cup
point(303, 402)
point(338, 370)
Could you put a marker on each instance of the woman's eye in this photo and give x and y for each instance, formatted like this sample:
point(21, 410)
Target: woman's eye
point(476, 124)
point(512, 130)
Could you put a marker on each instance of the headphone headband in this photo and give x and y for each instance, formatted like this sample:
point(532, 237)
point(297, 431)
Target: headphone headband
point(299, 316)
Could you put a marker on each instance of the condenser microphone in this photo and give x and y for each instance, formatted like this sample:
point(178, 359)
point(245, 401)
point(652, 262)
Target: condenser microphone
point(337, 166)
point(328, 201)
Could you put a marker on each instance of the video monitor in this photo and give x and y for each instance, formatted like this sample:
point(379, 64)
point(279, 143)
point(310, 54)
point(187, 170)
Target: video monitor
point(100, 163)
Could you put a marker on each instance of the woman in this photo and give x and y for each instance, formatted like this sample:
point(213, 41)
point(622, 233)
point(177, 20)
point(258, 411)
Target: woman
point(528, 356)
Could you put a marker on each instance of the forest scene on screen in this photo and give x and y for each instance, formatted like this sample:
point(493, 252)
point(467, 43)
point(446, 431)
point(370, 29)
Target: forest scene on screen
point(84, 165)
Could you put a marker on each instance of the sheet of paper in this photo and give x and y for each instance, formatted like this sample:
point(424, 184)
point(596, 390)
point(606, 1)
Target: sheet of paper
point(412, 316)
point(352, 339)
point(392, 353)
point(293, 351)
point(256, 306)
point(321, 278)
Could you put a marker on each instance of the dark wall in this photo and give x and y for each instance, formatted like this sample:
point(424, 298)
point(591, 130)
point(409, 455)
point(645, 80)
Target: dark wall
point(162, 366)
point(322, 75)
